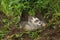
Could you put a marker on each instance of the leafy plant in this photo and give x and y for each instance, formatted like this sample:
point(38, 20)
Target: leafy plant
point(13, 9)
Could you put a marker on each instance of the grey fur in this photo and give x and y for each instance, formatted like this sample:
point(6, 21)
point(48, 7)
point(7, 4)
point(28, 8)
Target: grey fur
point(33, 23)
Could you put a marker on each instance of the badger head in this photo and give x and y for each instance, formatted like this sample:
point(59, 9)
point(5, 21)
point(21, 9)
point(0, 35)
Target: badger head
point(36, 21)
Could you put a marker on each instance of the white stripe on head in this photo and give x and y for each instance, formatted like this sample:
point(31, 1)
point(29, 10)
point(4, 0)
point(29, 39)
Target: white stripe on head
point(36, 21)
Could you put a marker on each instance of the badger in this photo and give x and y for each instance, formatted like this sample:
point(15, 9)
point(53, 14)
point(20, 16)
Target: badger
point(32, 24)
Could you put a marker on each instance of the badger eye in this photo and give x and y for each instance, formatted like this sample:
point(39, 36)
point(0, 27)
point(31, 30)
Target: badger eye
point(36, 21)
point(39, 22)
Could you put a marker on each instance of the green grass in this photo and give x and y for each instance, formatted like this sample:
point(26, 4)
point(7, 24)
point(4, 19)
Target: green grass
point(13, 9)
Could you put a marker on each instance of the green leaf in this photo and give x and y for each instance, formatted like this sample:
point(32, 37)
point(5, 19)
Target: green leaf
point(57, 14)
point(32, 12)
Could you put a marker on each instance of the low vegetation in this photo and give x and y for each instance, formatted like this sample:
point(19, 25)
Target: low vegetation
point(11, 12)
